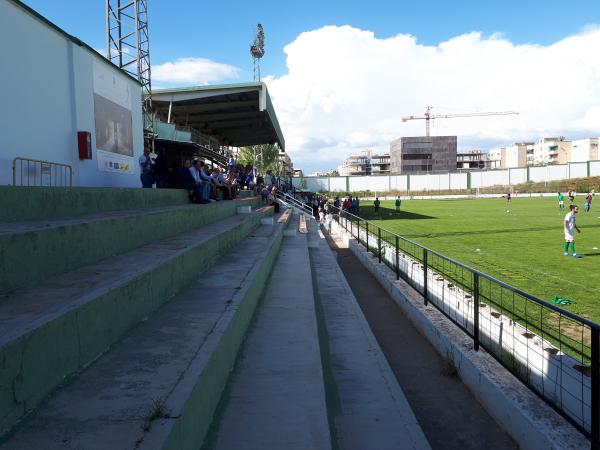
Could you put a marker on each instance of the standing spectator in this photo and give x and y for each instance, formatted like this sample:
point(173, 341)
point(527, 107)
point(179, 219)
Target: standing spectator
point(398, 203)
point(376, 204)
point(146, 169)
point(231, 162)
point(588, 202)
point(357, 205)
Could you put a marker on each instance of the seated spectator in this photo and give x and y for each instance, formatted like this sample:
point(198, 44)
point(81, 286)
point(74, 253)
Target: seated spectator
point(185, 180)
point(208, 181)
point(202, 188)
point(219, 182)
point(250, 180)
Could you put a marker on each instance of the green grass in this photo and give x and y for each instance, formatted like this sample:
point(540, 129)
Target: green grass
point(523, 248)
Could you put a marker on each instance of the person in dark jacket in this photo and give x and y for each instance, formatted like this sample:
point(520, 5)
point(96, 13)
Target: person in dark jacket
point(185, 180)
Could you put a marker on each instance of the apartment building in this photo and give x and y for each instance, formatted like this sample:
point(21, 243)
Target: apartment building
point(551, 150)
point(367, 163)
point(474, 159)
point(583, 150)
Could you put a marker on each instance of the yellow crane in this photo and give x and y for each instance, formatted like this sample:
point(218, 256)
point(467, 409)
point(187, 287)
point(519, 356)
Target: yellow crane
point(428, 116)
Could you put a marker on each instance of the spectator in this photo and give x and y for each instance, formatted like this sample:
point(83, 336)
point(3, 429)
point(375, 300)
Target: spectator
point(146, 169)
point(376, 204)
point(202, 189)
point(185, 180)
point(231, 162)
point(208, 181)
point(264, 193)
point(221, 185)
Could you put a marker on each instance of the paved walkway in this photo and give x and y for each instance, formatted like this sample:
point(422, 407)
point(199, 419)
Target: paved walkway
point(449, 415)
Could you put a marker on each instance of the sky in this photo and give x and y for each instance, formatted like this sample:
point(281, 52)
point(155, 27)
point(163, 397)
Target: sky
point(343, 74)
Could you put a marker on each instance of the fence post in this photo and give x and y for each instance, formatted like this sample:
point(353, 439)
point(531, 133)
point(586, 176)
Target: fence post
point(397, 260)
point(379, 243)
point(595, 435)
point(475, 311)
point(425, 276)
point(367, 236)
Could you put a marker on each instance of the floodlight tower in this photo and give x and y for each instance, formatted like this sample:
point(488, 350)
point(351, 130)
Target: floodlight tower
point(257, 50)
point(129, 48)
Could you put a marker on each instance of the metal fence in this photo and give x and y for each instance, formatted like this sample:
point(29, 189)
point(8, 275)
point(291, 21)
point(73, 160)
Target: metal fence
point(34, 172)
point(554, 352)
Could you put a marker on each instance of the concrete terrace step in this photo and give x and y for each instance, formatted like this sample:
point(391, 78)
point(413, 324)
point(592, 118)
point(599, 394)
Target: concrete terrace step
point(369, 408)
point(276, 398)
point(35, 203)
point(50, 331)
point(36, 250)
point(158, 388)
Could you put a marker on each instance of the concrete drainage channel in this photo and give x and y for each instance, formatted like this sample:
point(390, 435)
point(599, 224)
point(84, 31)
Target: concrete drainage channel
point(527, 418)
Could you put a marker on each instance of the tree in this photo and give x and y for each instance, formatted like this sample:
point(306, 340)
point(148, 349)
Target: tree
point(334, 173)
point(264, 157)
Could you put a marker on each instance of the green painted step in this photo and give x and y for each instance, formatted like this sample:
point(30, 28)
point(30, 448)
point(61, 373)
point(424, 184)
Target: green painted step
point(175, 365)
point(35, 203)
point(50, 331)
point(35, 251)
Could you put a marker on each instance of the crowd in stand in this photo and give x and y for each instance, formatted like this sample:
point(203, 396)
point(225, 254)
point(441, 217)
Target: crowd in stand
point(203, 181)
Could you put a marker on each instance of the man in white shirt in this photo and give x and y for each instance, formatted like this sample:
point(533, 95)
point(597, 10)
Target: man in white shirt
point(569, 228)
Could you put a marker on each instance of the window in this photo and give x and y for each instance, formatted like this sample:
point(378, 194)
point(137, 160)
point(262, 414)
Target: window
point(416, 156)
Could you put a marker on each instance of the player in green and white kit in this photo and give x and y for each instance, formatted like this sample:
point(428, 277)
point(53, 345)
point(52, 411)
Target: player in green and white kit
point(561, 201)
point(569, 229)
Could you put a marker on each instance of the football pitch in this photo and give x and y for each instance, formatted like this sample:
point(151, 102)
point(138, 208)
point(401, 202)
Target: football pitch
point(523, 247)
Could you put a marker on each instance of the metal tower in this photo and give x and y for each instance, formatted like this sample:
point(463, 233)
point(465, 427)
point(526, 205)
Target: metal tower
point(257, 50)
point(129, 48)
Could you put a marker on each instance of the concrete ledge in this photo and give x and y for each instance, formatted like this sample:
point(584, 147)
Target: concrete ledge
point(34, 203)
point(55, 331)
point(244, 209)
point(526, 417)
point(32, 252)
point(196, 401)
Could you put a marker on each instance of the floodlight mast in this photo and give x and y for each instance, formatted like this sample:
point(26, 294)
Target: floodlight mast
point(128, 42)
point(257, 50)
point(428, 117)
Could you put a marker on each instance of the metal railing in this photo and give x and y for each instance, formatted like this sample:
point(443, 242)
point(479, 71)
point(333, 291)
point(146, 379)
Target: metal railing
point(554, 352)
point(35, 172)
point(294, 202)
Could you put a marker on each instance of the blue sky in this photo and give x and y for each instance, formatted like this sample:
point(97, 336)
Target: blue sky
point(222, 31)
point(351, 70)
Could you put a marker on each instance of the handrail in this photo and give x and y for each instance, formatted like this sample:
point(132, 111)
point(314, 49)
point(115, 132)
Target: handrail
point(295, 202)
point(46, 168)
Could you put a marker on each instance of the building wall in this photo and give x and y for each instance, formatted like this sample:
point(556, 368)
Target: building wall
point(48, 95)
point(583, 150)
point(423, 154)
point(514, 156)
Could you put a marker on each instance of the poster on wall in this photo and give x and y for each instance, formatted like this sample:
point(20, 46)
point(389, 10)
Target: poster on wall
point(114, 125)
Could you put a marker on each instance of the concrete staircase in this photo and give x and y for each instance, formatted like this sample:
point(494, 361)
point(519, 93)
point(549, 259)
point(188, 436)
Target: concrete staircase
point(160, 324)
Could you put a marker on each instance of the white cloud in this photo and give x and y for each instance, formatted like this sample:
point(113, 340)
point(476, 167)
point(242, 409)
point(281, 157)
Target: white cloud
point(346, 90)
point(196, 71)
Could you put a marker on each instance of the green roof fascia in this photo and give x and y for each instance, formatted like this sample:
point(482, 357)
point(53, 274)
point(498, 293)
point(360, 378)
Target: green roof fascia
point(268, 106)
point(70, 37)
point(209, 87)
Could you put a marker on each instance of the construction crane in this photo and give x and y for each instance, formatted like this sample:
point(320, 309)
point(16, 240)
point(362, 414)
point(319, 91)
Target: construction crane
point(428, 116)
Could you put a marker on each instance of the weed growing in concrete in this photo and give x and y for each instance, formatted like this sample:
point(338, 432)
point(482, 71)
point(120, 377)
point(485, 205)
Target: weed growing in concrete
point(158, 410)
point(450, 369)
